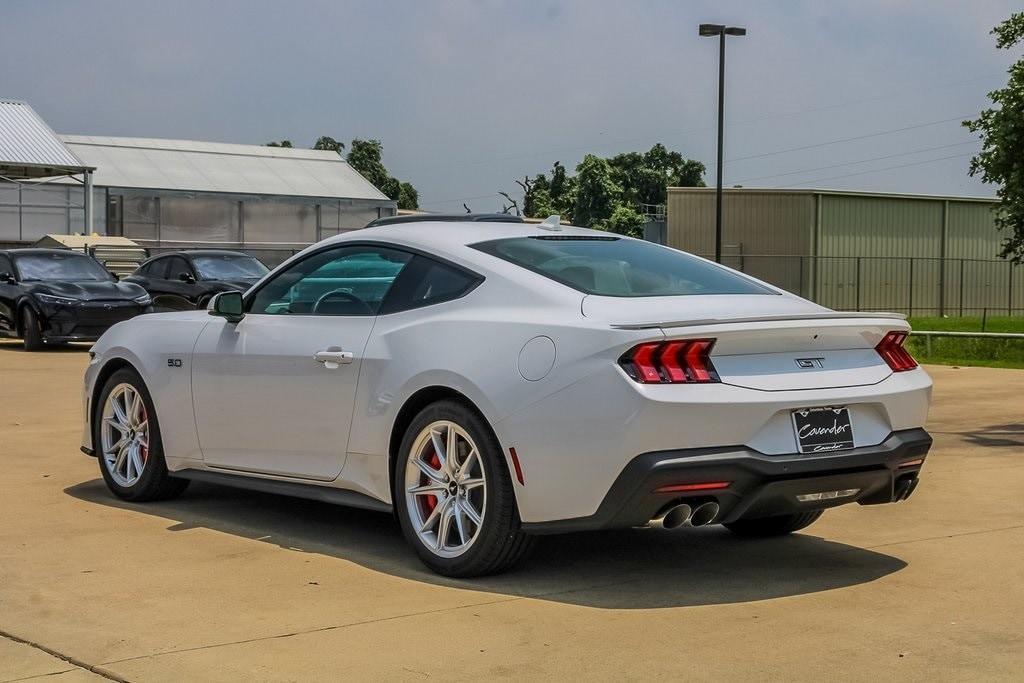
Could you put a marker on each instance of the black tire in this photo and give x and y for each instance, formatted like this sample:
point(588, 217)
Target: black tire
point(32, 332)
point(778, 525)
point(155, 483)
point(501, 543)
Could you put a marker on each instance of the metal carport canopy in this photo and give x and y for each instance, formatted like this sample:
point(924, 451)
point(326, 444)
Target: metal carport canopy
point(31, 151)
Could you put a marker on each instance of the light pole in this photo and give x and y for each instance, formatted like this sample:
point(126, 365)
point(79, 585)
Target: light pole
point(720, 31)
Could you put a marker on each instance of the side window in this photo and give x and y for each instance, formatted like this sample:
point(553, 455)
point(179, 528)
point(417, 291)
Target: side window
point(5, 265)
point(340, 281)
point(176, 266)
point(426, 282)
point(155, 270)
point(160, 269)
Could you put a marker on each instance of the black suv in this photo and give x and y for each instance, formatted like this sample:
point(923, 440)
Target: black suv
point(56, 295)
point(184, 280)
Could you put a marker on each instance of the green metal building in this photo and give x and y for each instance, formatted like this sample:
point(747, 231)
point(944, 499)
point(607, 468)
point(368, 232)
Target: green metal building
point(916, 254)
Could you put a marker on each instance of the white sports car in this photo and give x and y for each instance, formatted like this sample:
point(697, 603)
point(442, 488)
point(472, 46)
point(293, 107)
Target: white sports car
point(491, 381)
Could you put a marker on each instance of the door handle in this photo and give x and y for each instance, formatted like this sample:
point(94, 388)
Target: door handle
point(333, 356)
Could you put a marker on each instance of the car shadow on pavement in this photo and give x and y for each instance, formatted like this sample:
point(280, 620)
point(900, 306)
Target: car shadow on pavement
point(628, 569)
point(1004, 436)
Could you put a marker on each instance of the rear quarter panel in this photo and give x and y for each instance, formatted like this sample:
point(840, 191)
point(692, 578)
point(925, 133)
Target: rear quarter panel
point(471, 345)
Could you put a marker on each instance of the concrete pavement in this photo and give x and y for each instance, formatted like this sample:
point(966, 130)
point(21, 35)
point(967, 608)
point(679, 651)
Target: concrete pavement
point(227, 585)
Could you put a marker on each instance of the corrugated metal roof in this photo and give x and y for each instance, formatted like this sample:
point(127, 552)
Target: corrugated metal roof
point(219, 167)
point(27, 142)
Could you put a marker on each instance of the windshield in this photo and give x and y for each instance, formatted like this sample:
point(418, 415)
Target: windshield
point(612, 266)
point(60, 267)
point(229, 267)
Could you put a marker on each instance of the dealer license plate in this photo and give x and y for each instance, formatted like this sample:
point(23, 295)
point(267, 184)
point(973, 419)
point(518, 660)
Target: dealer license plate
point(819, 430)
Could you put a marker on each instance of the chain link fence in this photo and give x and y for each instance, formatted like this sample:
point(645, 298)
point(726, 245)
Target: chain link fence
point(911, 285)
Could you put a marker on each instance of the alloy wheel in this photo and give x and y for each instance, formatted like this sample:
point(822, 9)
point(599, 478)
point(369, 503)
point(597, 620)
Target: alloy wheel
point(124, 434)
point(445, 489)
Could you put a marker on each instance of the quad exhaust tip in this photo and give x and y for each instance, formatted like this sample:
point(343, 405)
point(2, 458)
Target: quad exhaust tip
point(704, 514)
point(673, 518)
point(681, 515)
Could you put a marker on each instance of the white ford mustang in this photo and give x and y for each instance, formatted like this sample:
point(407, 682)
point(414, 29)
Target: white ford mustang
point(493, 381)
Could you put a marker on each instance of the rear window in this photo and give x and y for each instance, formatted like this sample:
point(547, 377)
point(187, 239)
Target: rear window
point(229, 267)
point(611, 266)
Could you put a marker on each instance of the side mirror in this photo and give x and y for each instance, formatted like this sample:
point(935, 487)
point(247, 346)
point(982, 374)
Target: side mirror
point(227, 305)
point(186, 277)
point(7, 279)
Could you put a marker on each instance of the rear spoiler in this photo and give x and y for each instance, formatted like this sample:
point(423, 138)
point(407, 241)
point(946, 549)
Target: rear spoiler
point(758, 319)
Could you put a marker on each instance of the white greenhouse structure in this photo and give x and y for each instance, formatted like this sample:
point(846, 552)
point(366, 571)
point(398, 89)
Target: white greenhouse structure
point(174, 193)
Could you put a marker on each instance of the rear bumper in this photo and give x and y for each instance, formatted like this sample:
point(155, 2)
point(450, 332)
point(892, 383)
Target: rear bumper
point(759, 485)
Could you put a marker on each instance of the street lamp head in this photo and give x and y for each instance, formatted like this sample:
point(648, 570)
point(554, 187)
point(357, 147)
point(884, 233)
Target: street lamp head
point(735, 31)
point(711, 29)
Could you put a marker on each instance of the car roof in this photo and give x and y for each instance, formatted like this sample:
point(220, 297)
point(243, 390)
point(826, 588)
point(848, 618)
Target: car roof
point(447, 217)
point(42, 251)
point(455, 236)
point(200, 252)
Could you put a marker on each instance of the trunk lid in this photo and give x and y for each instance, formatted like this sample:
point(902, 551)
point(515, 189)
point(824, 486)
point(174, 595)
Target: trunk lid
point(764, 342)
point(659, 310)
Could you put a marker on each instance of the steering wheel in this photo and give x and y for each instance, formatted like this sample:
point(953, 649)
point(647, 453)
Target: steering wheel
point(342, 295)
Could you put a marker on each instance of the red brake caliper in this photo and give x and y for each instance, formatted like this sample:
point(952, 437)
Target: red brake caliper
point(144, 450)
point(430, 501)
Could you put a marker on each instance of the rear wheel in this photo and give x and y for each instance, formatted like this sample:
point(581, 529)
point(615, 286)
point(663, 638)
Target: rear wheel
point(454, 496)
point(32, 331)
point(126, 435)
point(778, 525)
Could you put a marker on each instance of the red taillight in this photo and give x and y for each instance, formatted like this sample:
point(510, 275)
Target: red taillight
point(678, 361)
point(892, 352)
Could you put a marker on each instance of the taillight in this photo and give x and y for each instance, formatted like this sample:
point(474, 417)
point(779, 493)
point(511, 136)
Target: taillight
point(677, 361)
point(892, 352)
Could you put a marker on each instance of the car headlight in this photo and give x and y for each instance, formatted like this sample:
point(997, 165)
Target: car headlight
point(51, 299)
point(144, 300)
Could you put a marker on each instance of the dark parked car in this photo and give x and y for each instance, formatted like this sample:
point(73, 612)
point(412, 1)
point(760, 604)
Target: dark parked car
point(55, 295)
point(184, 280)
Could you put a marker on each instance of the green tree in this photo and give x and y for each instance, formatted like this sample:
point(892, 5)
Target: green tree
point(601, 186)
point(365, 157)
point(597, 194)
point(283, 143)
point(563, 190)
point(328, 143)
point(536, 196)
point(1001, 129)
point(625, 220)
point(408, 197)
point(645, 178)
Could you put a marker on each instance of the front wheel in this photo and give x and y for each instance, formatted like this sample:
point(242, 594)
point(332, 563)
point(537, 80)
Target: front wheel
point(453, 494)
point(32, 331)
point(777, 525)
point(126, 436)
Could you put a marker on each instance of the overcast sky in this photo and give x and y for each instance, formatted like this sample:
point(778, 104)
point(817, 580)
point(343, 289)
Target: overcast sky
point(467, 96)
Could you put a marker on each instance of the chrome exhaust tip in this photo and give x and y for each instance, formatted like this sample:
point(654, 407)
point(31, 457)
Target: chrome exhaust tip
point(672, 518)
point(704, 513)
